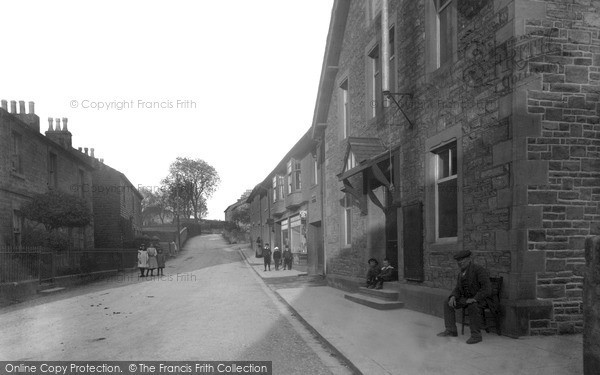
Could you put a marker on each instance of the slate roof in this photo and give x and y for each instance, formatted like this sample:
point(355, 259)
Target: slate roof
point(364, 148)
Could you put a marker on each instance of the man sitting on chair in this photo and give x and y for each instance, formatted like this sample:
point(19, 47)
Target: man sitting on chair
point(472, 288)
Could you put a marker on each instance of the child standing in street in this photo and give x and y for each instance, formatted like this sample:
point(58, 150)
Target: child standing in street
point(142, 260)
point(160, 260)
point(277, 258)
point(152, 264)
point(267, 256)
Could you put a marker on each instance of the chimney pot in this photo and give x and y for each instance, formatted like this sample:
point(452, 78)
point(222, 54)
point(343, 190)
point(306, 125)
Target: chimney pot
point(58, 125)
point(50, 124)
point(4, 105)
point(102, 161)
point(86, 150)
point(13, 106)
point(79, 148)
point(22, 107)
point(91, 152)
point(31, 108)
point(65, 124)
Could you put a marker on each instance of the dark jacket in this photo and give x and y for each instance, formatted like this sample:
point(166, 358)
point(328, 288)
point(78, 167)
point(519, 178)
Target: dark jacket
point(287, 254)
point(478, 284)
point(267, 254)
point(277, 254)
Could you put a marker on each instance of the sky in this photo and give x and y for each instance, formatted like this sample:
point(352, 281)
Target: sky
point(233, 83)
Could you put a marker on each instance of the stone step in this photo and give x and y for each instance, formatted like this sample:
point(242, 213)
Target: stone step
point(385, 294)
point(374, 302)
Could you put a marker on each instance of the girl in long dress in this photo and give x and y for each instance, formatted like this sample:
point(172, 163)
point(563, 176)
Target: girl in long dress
point(142, 259)
point(152, 263)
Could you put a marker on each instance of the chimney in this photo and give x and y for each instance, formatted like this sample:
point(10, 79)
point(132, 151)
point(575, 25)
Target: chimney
point(91, 152)
point(4, 105)
point(50, 124)
point(86, 150)
point(61, 136)
point(31, 119)
point(13, 106)
point(79, 149)
point(102, 161)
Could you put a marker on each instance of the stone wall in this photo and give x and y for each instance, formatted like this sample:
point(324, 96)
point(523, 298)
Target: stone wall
point(16, 188)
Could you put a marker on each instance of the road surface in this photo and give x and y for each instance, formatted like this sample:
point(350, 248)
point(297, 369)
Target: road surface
point(209, 306)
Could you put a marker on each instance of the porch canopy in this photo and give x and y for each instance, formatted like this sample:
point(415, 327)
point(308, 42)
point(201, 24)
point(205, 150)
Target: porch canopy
point(370, 156)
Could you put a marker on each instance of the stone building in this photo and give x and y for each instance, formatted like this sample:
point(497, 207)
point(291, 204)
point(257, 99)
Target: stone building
point(31, 163)
point(117, 207)
point(285, 208)
point(232, 207)
point(463, 125)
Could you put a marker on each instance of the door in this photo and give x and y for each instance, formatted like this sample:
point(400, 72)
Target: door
point(391, 236)
point(413, 241)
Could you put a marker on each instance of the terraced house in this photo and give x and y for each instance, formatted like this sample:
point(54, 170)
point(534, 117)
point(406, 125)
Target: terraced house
point(455, 124)
point(286, 208)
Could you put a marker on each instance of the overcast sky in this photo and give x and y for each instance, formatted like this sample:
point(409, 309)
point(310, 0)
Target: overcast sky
point(237, 80)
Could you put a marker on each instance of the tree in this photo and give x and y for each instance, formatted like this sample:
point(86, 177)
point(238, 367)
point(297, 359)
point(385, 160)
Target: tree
point(56, 209)
point(241, 215)
point(192, 181)
point(155, 204)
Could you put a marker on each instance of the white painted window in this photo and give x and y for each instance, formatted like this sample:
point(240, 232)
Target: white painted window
point(374, 89)
point(446, 30)
point(350, 161)
point(344, 114)
point(446, 193)
point(347, 221)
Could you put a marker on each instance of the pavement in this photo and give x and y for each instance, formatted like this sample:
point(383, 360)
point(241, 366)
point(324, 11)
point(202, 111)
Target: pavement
point(403, 341)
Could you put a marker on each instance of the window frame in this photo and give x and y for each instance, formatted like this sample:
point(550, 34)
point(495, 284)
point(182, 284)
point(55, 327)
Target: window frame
point(297, 174)
point(344, 107)
point(375, 97)
point(441, 6)
point(52, 170)
point(347, 220)
point(16, 152)
point(439, 180)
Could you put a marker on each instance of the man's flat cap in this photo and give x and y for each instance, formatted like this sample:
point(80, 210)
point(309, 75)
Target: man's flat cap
point(462, 254)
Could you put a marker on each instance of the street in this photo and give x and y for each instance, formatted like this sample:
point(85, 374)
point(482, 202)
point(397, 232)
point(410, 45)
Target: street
point(210, 305)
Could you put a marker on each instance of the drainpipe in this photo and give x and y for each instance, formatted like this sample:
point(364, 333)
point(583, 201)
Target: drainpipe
point(385, 48)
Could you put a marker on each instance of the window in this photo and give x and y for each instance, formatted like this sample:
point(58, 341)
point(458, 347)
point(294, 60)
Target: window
point(274, 189)
point(16, 152)
point(446, 30)
point(280, 186)
point(17, 228)
point(81, 183)
point(344, 108)
point(347, 220)
point(297, 175)
point(392, 67)
point(315, 174)
point(446, 193)
point(350, 161)
point(375, 95)
point(52, 170)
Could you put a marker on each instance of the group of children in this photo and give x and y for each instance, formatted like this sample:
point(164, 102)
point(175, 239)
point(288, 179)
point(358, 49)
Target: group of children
point(277, 255)
point(376, 276)
point(151, 258)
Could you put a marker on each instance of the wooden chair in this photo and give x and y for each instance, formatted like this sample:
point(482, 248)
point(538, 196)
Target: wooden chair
point(495, 314)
